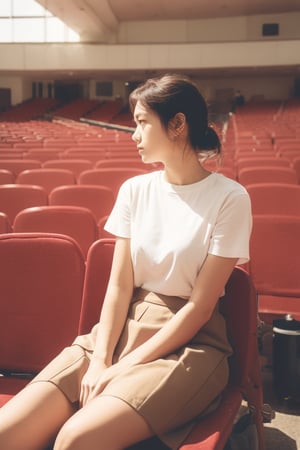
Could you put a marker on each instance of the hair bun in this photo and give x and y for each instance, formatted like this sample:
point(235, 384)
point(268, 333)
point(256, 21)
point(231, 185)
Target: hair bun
point(210, 140)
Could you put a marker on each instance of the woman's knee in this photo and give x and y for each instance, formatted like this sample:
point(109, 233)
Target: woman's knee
point(69, 437)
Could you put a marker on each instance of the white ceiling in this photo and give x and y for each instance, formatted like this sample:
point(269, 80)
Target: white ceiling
point(87, 16)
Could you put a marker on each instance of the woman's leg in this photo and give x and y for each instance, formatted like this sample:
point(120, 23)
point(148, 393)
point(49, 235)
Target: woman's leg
point(31, 419)
point(104, 423)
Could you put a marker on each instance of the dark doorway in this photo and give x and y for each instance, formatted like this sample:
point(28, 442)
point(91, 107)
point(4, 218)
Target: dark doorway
point(67, 92)
point(297, 87)
point(5, 98)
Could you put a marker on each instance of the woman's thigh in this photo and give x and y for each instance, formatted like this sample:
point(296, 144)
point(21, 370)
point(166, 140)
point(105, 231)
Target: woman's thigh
point(104, 423)
point(32, 418)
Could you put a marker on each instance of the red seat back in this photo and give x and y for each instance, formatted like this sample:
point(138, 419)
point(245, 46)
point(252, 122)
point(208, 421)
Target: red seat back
point(74, 221)
point(15, 197)
point(98, 267)
point(41, 279)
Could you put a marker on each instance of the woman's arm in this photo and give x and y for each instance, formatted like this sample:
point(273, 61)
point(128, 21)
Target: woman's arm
point(116, 302)
point(112, 318)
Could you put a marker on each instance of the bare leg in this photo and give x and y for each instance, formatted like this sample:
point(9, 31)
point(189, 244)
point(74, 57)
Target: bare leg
point(104, 423)
point(31, 419)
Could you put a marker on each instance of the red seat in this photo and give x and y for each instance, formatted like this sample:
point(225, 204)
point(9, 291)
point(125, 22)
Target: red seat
point(15, 197)
point(41, 155)
point(74, 221)
point(5, 225)
point(275, 198)
point(75, 165)
point(98, 265)
point(41, 283)
point(296, 167)
point(102, 232)
point(260, 161)
point(110, 177)
point(6, 176)
point(98, 199)
point(18, 165)
point(47, 178)
point(240, 308)
point(123, 162)
point(274, 264)
point(268, 174)
point(91, 155)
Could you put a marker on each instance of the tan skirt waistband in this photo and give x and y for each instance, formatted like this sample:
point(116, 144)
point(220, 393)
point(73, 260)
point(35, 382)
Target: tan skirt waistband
point(170, 301)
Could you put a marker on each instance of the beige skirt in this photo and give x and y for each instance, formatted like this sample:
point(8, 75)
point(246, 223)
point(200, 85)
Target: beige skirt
point(170, 392)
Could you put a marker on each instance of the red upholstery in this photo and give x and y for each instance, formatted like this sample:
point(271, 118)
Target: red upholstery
point(18, 165)
point(261, 162)
point(6, 176)
point(124, 162)
point(103, 233)
point(110, 177)
point(275, 198)
point(74, 221)
point(253, 175)
point(239, 307)
point(99, 199)
point(41, 283)
point(75, 165)
point(5, 225)
point(92, 155)
point(98, 267)
point(296, 167)
point(41, 154)
point(47, 178)
point(15, 197)
point(275, 262)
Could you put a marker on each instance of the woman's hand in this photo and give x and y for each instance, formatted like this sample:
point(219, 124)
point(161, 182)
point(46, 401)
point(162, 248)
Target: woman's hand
point(99, 375)
point(91, 379)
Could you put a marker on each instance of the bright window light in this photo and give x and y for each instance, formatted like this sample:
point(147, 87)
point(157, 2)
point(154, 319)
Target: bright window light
point(5, 30)
point(28, 21)
point(28, 30)
point(5, 8)
point(27, 8)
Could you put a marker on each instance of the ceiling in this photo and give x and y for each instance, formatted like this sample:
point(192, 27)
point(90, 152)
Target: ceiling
point(96, 19)
point(82, 14)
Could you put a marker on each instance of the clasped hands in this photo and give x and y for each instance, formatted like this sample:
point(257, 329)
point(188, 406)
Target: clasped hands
point(97, 377)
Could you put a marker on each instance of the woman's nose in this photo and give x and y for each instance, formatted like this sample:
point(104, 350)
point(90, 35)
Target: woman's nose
point(135, 136)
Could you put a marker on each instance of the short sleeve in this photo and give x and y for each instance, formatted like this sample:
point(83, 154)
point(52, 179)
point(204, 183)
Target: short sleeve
point(231, 234)
point(118, 222)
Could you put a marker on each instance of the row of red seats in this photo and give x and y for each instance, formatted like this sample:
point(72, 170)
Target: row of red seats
point(74, 110)
point(265, 150)
point(57, 296)
point(79, 211)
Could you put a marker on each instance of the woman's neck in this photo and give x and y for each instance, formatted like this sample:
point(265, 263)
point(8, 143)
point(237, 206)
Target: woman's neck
point(186, 170)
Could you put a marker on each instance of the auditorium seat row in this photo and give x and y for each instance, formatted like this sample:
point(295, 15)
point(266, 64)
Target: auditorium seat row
point(79, 211)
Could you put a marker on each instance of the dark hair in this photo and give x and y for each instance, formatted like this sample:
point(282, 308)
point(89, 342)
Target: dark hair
point(172, 94)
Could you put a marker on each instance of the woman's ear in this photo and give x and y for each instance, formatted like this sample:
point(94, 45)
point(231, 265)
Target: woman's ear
point(177, 124)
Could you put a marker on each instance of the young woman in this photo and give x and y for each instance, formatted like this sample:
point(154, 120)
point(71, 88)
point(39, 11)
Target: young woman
point(157, 359)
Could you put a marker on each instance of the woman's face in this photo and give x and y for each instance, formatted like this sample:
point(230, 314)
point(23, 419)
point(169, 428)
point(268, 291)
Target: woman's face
point(151, 137)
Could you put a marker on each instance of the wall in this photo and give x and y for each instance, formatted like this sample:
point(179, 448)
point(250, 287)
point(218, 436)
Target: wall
point(15, 84)
point(209, 30)
point(63, 59)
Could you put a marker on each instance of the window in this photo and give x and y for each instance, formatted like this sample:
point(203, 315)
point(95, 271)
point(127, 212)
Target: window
point(28, 21)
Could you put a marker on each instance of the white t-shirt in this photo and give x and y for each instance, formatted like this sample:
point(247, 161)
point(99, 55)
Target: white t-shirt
point(173, 227)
